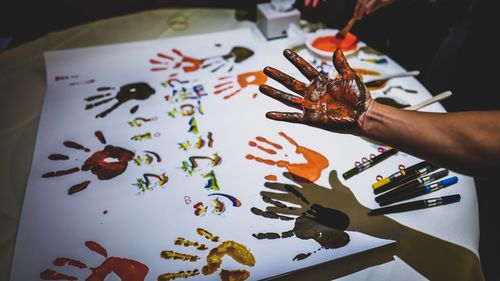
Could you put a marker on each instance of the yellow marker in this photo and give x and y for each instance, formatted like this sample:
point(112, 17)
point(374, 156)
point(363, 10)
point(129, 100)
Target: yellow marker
point(387, 180)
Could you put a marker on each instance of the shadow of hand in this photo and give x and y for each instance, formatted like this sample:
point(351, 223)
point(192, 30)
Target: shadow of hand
point(337, 208)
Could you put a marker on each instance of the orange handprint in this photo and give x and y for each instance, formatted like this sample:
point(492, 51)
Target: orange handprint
point(242, 80)
point(307, 171)
point(125, 269)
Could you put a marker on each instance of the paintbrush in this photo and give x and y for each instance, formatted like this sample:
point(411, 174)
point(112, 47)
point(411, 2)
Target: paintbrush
point(346, 29)
point(437, 98)
point(382, 79)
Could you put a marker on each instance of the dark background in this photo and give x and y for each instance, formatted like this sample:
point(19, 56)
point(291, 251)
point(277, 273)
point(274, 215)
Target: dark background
point(448, 41)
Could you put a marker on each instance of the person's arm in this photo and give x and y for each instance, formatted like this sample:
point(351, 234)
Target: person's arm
point(467, 142)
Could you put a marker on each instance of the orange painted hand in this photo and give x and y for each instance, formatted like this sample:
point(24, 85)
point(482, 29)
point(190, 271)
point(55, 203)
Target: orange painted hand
point(331, 104)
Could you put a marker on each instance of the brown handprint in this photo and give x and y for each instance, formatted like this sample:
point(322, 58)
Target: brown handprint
point(125, 269)
point(330, 104)
point(434, 258)
point(105, 164)
point(133, 91)
point(235, 250)
point(307, 171)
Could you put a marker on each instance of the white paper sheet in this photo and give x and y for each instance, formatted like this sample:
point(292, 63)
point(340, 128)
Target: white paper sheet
point(139, 225)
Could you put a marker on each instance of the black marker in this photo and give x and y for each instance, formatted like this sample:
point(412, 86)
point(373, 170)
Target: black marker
point(404, 188)
point(371, 162)
point(415, 205)
point(415, 174)
point(399, 175)
point(418, 191)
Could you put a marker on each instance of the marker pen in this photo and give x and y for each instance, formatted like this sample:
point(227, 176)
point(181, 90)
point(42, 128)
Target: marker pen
point(418, 191)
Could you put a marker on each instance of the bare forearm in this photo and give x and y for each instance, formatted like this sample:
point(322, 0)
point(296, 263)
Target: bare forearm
point(467, 142)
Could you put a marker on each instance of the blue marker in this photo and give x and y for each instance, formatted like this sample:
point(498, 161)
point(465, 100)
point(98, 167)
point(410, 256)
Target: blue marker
point(418, 191)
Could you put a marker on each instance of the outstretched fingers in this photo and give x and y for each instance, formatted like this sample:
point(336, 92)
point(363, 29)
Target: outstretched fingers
point(341, 65)
point(288, 99)
point(301, 64)
point(286, 80)
point(292, 117)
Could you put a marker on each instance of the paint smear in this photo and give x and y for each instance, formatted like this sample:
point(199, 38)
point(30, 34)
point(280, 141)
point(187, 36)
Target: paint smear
point(206, 234)
point(234, 275)
point(57, 156)
point(181, 274)
point(309, 171)
point(54, 275)
point(271, 177)
point(78, 187)
point(75, 145)
point(171, 255)
point(70, 262)
point(100, 136)
point(186, 243)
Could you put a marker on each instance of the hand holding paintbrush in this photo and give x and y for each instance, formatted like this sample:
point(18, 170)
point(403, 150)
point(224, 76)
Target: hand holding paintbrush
point(346, 29)
point(367, 7)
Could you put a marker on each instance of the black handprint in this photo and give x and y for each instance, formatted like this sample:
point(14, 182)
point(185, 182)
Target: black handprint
point(133, 91)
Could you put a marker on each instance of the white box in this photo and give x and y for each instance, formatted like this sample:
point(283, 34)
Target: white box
point(274, 23)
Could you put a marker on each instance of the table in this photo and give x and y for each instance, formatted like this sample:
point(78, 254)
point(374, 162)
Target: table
point(23, 85)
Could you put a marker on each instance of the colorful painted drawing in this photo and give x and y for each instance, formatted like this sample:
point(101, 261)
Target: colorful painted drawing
point(125, 269)
point(182, 92)
point(177, 62)
point(234, 84)
point(150, 181)
point(135, 91)
point(198, 143)
point(105, 164)
point(147, 158)
point(213, 260)
point(192, 164)
point(310, 170)
point(145, 136)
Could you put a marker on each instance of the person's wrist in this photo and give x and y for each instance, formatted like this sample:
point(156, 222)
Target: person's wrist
point(364, 118)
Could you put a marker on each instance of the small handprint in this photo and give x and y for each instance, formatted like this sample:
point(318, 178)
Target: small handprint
point(187, 64)
point(330, 104)
point(232, 85)
point(238, 252)
point(105, 164)
point(134, 91)
point(177, 61)
point(125, 269)
point(307, 171)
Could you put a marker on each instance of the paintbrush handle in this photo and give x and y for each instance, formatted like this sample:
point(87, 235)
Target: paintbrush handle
point(346, 28)
point(437, 98)
point(401, 74)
